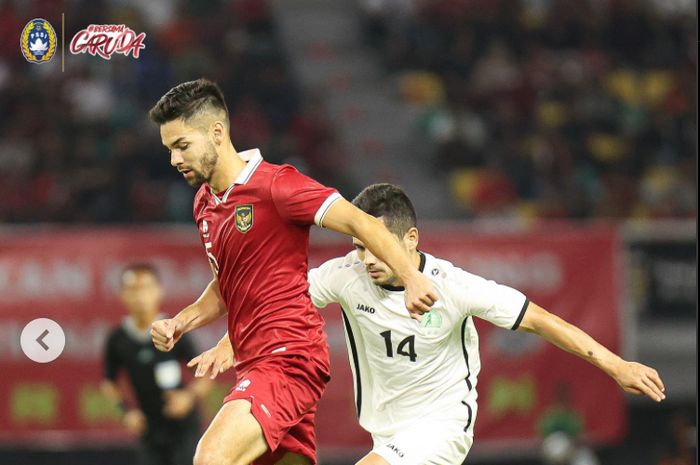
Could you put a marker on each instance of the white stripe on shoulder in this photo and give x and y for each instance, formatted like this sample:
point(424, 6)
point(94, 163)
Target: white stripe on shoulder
point(323, 209)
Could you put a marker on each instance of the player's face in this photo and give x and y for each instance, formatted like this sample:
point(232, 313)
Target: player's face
point(379, 272)
point(141, 293)
point(192, 153)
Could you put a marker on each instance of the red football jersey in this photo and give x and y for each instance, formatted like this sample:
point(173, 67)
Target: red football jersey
point(256, 235)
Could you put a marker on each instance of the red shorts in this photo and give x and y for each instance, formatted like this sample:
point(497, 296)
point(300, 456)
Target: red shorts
point(283, 392)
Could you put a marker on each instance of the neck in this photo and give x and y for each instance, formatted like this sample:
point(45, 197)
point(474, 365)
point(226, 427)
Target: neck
point(227, 169)
point(143, 322)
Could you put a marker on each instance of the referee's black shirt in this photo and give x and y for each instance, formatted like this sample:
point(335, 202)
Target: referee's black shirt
point(151, 372)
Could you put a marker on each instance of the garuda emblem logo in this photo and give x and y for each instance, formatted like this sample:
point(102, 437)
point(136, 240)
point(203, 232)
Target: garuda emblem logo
point(244, 217)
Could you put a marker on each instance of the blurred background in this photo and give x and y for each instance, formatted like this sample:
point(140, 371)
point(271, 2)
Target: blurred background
point(548, 144)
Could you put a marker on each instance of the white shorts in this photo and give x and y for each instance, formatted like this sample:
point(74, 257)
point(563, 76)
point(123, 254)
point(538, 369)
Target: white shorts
point(427, 442)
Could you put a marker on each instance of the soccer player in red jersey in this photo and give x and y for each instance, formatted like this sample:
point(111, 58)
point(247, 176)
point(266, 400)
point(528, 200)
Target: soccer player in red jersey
point(254, 219)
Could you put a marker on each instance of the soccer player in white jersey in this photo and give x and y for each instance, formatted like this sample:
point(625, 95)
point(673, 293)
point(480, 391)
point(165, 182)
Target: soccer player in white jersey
point(415, 380)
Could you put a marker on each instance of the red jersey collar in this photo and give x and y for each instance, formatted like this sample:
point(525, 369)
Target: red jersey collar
point(253, 158)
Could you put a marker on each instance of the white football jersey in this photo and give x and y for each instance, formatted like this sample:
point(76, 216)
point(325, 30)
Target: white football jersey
point(405, 370)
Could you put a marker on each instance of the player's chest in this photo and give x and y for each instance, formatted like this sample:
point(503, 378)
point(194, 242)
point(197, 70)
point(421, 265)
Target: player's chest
point(390, 333)
point(232, 225)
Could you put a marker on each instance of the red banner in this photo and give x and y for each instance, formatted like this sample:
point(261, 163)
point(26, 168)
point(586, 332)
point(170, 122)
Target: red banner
point(525, 385)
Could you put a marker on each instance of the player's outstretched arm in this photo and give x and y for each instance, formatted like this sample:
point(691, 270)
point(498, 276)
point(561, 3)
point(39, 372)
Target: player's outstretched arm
point(215, 360)
point(207, 308)
point(346, 218)
point(631, 376)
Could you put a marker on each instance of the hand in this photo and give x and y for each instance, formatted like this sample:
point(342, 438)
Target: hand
point(166, 333)
point(640, 379)
point(178, 403)
point(215, 360)
point(419, 295)
point(135, 422)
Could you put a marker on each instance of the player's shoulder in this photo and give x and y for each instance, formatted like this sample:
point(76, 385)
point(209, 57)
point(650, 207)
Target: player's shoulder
point(436, 267)
point(268, 170)
point(283, 169)
point(443, 270)
point(286, 174)
point(273, 176)
point(347, 267)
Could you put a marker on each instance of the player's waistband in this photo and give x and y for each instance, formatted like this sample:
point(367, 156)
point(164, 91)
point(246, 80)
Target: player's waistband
point(316, 354)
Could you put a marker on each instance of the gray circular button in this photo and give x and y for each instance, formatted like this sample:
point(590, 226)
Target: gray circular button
point(42, 340)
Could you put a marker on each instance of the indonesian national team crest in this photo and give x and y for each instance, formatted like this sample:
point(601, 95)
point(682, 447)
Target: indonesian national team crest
point(38, 41)
point(244, 217)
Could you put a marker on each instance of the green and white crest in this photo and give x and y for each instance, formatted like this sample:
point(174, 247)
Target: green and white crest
point(431, 319)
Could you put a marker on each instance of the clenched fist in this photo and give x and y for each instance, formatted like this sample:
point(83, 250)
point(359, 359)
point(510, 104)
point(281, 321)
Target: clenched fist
point(166, 333)
point(419, 296)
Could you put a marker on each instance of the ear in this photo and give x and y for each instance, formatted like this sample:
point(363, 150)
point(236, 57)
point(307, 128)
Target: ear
point(410, 239)
point(218, 132)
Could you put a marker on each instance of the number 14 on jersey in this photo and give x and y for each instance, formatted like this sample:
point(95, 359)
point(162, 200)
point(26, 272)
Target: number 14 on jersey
point(409, 341)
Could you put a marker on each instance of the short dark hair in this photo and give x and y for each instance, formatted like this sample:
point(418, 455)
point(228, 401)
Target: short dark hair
point(140, 267)
point(186, 99)
point(391, 203)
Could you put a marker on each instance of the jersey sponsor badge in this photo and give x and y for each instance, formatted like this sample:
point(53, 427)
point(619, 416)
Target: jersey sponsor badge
point(38, 41)
point(431, 320)
point(244, 217)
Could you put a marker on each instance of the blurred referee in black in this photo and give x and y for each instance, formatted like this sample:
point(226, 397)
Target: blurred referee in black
point(166, 418)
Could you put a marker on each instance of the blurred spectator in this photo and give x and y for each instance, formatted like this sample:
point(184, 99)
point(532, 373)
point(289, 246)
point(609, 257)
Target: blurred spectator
point(682, 444)
point(583, 107)
point(555, 108)
point(561, 428)
point(77, 147)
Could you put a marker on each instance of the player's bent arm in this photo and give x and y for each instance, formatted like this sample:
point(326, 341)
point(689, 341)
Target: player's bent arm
point(207, 308)
point(631, 376)
point(346, 218)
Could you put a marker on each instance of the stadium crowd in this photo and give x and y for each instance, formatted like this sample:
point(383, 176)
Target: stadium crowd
point(535, 108)
point(551, 108)
point(76, 146)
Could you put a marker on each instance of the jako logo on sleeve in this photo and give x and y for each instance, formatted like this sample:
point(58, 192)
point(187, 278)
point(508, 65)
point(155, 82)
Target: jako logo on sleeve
point(105, 39)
